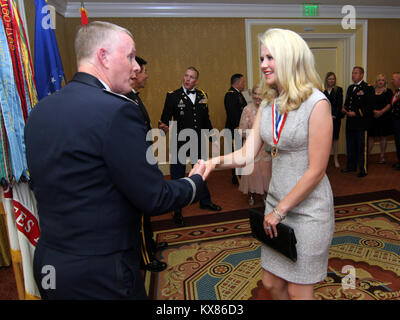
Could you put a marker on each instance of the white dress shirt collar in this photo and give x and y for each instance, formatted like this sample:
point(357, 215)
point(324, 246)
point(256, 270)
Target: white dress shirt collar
point(192, 97)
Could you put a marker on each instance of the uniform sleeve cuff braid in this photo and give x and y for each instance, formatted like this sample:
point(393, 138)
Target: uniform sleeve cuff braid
point(193, 187)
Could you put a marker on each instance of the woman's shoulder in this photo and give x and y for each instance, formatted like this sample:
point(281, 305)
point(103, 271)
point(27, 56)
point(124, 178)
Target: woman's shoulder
point(317, 95)
point(265, 104)
point(314, 98)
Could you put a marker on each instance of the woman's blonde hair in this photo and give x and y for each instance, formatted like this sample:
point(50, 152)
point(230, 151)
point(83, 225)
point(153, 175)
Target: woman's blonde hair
point(294, 69)
point(255, 87)
point(381, 75)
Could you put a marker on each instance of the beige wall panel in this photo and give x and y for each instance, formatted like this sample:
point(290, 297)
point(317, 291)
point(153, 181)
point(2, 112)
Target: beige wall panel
point(30, 21)
point(383, 48)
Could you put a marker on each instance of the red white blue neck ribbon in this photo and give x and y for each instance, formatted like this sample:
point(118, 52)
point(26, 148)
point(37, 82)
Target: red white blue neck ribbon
point(278, 121)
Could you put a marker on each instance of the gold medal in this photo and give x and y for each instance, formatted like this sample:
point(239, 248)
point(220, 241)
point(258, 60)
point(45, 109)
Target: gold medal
point(274, 151)
point(278, 120)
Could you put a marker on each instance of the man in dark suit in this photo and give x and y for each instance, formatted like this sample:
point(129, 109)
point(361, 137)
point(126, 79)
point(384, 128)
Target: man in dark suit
point(188, 106)
point(86, 153)
point(358, 109)
point(395, 112)
point(148, 245)
point(234, 103)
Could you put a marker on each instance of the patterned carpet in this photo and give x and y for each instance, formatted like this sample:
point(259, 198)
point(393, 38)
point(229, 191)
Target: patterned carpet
point(216, 258)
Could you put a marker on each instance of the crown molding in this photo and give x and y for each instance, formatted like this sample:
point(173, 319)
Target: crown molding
point(70, 9)
point(59, 5)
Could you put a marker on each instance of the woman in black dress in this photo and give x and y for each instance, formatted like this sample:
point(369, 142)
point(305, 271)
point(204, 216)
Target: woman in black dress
point(335, 97)
point(381, 123)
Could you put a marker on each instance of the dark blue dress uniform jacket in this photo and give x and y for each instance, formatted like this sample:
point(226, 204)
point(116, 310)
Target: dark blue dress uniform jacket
point(86, 152)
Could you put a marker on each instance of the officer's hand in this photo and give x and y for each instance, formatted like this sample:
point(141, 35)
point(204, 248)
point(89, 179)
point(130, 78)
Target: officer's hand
point(351, 114)
point(198, 168)
point(163, 126)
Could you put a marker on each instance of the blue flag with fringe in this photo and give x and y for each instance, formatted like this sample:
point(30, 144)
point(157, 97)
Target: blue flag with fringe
point(49, 72)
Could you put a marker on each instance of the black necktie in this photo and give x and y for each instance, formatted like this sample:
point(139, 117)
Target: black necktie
point(190, 92)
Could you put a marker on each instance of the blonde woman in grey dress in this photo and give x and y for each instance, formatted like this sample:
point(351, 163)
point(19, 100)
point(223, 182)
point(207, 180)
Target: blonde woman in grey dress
point(299, 192)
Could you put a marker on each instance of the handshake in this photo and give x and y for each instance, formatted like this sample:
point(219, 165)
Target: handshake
point(202, 168)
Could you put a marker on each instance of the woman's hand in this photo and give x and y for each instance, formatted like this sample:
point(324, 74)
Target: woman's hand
point(270, 222)
point(210, 166)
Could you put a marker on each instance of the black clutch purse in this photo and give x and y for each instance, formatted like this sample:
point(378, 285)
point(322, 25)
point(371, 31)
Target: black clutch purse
point(285, 242)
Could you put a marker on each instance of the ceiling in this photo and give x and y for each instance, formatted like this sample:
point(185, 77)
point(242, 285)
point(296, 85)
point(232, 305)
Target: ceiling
point(381, 9)
point(324, 2)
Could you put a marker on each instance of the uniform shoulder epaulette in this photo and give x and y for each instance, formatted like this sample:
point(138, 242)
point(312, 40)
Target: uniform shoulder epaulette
point(231, 91)
point(201, 91)
point(172, 91)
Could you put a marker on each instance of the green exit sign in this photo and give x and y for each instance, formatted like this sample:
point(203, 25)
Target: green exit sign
point(311, 10)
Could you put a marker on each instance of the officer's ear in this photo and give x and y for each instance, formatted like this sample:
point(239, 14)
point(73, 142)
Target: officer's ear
point(102, 56)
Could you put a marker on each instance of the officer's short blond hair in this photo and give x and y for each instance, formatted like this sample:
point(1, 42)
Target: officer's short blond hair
point(93, 35)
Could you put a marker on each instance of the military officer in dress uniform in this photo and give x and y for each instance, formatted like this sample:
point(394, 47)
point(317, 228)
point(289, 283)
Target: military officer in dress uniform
point(188, 106)
point(395, 111)
point(234, 103)
point(358, 110)
point(148, 245)
point(86, 153)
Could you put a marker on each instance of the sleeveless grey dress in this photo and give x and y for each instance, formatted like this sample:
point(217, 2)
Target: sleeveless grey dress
point(313, 218)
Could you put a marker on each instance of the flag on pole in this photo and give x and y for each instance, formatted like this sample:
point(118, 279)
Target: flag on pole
point(25, 57)
point(13, 100)
point(49, 73)
point(23, 230)
point(18, 95)
point(27, 223)
point(84, 15)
